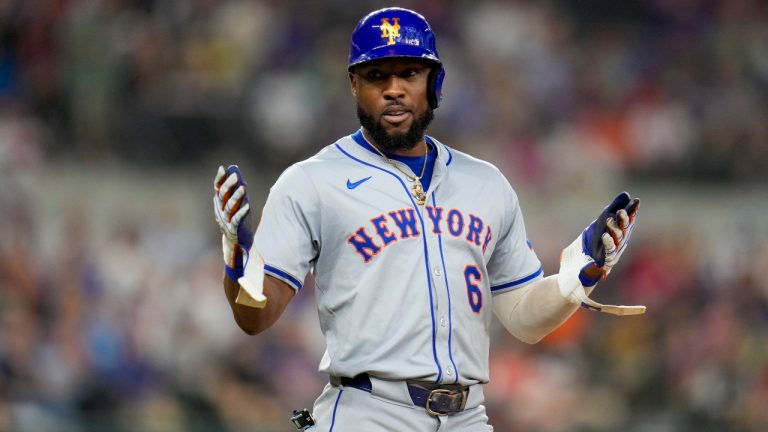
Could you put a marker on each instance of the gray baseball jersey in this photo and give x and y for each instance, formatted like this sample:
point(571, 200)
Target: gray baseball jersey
point(403, 291)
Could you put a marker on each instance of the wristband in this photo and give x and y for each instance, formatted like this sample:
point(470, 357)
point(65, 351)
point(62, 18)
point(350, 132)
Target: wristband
point(233, 273)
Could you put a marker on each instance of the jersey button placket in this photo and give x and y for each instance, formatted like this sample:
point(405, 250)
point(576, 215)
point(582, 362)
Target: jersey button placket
point(441, 304)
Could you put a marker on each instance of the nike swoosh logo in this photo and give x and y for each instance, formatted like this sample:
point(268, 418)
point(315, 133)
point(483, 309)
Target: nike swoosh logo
point(351, 185)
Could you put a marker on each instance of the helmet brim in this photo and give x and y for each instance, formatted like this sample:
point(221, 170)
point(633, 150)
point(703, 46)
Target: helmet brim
point(394, 51)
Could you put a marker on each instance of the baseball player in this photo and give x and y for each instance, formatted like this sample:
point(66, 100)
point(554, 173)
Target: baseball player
point(412, 245)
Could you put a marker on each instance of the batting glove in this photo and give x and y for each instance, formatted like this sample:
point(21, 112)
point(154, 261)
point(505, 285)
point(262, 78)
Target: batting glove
point(231, 209)
point(596, 251)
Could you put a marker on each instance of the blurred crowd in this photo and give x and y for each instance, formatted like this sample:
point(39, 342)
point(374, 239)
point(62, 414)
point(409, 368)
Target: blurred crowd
point(115, 113)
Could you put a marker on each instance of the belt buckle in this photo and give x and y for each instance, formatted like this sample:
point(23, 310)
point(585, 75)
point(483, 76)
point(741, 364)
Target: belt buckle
point(434, 413)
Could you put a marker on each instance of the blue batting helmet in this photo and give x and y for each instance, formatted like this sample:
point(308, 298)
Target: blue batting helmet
point(398, 32)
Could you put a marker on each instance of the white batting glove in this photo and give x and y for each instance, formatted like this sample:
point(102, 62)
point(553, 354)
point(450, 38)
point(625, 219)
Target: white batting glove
point(231, 208)
point(595, 252)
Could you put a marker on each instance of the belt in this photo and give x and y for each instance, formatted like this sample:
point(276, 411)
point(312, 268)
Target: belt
point(436, 399)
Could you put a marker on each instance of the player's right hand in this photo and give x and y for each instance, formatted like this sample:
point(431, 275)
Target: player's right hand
point(231, 209)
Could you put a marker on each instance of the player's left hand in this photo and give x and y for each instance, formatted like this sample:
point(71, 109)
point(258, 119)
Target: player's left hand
point(596, 251)
point(605, 239)
point(231, 208)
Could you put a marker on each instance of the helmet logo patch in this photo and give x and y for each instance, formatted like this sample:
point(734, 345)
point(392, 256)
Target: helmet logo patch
point(389, 30)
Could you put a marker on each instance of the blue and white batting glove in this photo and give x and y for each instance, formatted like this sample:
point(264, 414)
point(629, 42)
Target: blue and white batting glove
point(231, 208)
point(595, 252)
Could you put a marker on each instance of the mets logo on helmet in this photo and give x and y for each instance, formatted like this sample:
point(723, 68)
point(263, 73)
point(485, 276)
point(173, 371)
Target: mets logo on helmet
point(389, 30)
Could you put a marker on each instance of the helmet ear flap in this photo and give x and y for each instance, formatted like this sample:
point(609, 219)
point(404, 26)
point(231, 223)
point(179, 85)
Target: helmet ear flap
point(435, 86)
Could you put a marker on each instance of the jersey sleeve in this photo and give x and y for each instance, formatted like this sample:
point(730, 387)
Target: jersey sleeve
point(287, 233)
point(513, 263)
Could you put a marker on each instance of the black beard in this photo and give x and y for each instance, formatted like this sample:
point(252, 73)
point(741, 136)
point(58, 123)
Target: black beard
point(391, 143)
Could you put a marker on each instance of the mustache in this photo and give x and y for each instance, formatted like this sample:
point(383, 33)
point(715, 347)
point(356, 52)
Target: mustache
point(394, 107)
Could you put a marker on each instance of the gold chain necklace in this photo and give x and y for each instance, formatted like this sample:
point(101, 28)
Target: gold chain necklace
point(417, 190)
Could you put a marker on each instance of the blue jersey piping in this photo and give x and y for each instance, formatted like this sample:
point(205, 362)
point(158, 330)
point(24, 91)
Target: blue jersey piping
point(274, 271)
point(518, 281)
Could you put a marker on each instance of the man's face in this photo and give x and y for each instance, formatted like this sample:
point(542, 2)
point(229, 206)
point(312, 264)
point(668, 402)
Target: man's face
point(392, 101)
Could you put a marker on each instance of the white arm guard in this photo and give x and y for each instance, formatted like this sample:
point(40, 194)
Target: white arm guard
point(531, 312)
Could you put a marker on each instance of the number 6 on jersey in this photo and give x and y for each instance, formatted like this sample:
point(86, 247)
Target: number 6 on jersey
point(472, 276)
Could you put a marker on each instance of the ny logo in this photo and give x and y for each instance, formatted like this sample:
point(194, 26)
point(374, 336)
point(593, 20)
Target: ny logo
point(389, 30)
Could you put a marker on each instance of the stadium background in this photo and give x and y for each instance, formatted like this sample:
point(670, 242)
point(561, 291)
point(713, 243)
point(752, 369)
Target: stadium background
point(114, 115)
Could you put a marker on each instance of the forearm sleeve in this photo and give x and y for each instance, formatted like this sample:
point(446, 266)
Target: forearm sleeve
point(533, 311)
